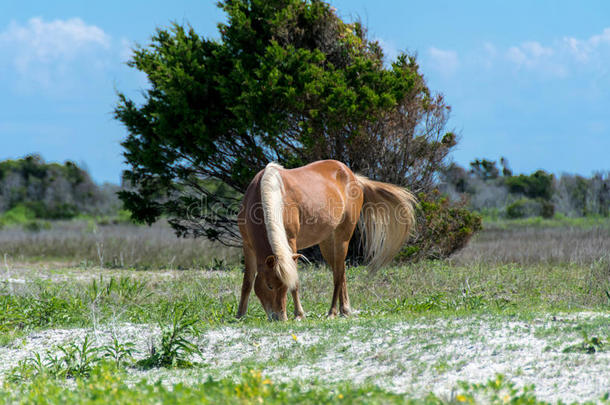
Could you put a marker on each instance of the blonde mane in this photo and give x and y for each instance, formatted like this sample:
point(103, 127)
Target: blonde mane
point(272, 190)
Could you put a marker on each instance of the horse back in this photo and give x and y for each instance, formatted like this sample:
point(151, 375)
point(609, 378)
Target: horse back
point(318, 199)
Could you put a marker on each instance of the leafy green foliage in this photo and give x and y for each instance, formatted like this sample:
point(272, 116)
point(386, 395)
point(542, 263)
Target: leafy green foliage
point(443, 228)
point(287, 81)
point(31, 188)
point(537, 185)
point(118, 352)
point(71, 361)
point(525, 207)
point(12, 316)
point(588, 345)
point(175, 346)
point(497, 391)
point(484, 169)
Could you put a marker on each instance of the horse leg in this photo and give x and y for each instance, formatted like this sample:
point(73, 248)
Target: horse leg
point(344, 307)
point(334, 253)
point(249, 273)
point(298, 309)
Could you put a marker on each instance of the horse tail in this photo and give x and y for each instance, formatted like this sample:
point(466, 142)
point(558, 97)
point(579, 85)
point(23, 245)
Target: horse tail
point(387, 220)
point(272, 190)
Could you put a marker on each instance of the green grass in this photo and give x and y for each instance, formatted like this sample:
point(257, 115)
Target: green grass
point(435, 287)
point(429, 288)
point(106, 384)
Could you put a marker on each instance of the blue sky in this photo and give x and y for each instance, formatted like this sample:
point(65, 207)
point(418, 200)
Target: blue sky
point(526, 80)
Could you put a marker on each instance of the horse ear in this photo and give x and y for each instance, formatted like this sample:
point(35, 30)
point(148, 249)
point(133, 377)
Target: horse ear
point(296, 257)
point(270, 261)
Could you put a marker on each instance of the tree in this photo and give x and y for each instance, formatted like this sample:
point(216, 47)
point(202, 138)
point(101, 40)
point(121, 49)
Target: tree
point(51, 190)
point(537, 185)
point(287, 81)
point(484, 169)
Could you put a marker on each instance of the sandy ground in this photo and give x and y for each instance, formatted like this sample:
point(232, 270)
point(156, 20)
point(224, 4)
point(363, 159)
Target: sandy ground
point(413, 357)
point(22, 273)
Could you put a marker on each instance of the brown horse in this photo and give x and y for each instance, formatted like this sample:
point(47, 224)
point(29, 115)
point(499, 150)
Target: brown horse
point(318, 204)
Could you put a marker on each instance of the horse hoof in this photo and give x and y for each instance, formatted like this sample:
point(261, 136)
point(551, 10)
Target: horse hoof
point(346, 312)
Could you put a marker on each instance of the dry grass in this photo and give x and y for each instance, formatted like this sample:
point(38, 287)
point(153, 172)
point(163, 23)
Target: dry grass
point(538, 245)
point(115, 246)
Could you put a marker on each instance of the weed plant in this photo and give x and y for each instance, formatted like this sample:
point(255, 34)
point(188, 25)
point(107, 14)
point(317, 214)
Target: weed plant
point(176, 346)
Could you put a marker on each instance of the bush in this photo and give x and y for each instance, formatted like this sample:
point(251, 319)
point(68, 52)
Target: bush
point(18, 215)
point(35, 226)
point(548, 209)
point(518, 209)
point(536, 185)
point(443, 228)
point(526, 207)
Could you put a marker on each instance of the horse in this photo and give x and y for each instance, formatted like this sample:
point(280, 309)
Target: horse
point(286, 210)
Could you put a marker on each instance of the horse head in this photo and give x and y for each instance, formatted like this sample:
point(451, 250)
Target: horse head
point(270, 287)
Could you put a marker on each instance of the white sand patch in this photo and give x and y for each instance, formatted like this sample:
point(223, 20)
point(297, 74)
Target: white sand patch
point(413, 357)
point(48, 340)
point(24, 275)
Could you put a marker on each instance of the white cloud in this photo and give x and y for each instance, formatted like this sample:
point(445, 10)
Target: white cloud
point(562, 57)
point(43, 42)
point(583, 50)
point(534, 56)
point(529, 54)
point(446, 62)
point(44, 52)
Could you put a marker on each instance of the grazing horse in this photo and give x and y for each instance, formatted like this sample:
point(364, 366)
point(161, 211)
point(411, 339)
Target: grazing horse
point(285, 210)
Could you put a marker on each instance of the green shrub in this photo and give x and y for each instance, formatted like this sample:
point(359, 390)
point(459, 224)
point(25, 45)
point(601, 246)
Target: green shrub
point(536, 185)
point(175, 346)
point(548, 209)
point(18, 215)
point(525, 208)
point(518, 209)
point(35, 226)
point(443, 228)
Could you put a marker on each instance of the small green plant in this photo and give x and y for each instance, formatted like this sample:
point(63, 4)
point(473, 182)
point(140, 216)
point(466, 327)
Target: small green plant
point(11, 315)
point(72, 360)
point(126, 289)
point(175, 346)
point(496, 391)
point(99, 289)
point(131, 289)
point(589, 345)
point(218, 264)
point(77, 360)
point(118, 352)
